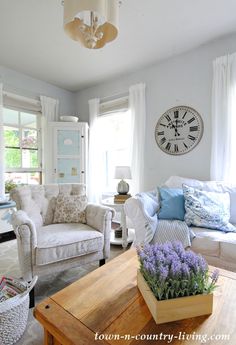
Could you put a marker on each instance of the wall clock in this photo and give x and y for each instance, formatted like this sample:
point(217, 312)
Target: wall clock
point(179, 130)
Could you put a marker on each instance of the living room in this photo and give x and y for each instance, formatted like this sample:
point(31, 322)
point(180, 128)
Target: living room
point(166, 52)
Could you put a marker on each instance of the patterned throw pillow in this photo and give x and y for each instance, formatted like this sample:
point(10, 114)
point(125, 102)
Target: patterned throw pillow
point(207, 209)
point(70, 209)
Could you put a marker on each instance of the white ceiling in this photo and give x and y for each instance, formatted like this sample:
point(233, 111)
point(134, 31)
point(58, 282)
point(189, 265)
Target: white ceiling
point(32, 40)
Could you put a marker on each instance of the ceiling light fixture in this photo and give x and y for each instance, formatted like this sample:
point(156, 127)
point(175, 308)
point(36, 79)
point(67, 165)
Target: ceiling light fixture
point(91, 22)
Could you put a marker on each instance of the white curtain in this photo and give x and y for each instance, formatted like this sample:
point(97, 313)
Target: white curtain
point(96, 167)
point(2, 183)
point(137, 104)
point(223, 156)
point(50, 108)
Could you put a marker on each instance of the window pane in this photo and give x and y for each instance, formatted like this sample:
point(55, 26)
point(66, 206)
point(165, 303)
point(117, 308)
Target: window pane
point(28, 120)
point(22, 178)
point(12, 158)
point(29, 138)
point(29, 158)
point(11, 136)
point(10, 116)
point(115, 140)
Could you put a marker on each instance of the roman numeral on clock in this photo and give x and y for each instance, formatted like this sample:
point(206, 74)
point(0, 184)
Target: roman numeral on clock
point(191, 137)
point(162, 141)
point(193, 128)
point(160, 133)
point(168, 118)
point(186, 146)
point(191, 120)
point(168, 146)
point(184, 115)
point(176, 148)
point(176, 114)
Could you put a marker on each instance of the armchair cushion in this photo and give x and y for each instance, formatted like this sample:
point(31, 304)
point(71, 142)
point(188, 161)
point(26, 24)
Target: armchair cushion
point(57, 242)
point(70, 209)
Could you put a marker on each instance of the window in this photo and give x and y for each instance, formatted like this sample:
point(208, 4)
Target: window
point(22, 146)
point(115, 133)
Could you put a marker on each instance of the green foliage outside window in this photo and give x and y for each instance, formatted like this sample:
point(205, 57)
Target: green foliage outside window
point(13, 153)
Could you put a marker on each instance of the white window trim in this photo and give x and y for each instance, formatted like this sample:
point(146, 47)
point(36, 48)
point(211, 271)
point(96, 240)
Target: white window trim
point(39, 130)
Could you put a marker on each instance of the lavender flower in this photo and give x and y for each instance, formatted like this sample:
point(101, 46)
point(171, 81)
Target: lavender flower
point(215, 276)
point(171, 271)
point(176, 269)
point(163, 273)
point(185, 271)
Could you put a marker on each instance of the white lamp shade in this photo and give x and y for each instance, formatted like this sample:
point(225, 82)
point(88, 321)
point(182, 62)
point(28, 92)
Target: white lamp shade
point(122, 172)
point(107, 9)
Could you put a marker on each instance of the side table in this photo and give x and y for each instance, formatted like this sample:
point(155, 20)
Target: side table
point(127, 235)
point(7, 235)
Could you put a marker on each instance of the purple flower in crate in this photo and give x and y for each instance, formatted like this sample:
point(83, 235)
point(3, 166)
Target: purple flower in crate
point(171, 271)
point(171, 257)
point(178, 248)
point(203, 266)
point(185, 270)
point(215, 276)
point(167, 248)
point(149, 267)
point(176, 269)
point(163, 273)
point(192, 260)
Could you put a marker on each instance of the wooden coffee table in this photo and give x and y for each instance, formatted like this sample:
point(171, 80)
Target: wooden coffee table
point(105, 307)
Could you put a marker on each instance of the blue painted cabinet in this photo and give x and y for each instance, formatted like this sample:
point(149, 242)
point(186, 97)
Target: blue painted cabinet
point(70, 153)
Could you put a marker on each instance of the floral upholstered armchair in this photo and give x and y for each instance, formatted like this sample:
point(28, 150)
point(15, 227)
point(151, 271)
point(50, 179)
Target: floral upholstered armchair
point(56, 229)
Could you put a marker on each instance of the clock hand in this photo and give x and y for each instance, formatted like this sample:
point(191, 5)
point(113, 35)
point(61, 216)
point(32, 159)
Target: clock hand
point(176, 129)
point(176, 121)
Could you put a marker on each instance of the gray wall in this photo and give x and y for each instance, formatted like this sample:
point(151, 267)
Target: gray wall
point(182, 80)
point(26, 86)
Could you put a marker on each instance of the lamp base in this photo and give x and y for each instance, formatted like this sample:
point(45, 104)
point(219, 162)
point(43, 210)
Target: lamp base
point(122, 187)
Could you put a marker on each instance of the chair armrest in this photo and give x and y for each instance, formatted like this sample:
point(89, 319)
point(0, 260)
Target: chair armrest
point(25, 231)
point(98, 216)
point(24, 227)
point(142, 211)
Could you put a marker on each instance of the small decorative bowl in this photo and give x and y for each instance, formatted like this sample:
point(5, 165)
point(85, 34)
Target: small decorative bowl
point(68, 118)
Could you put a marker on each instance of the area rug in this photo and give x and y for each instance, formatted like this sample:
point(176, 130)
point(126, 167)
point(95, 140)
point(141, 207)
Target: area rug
point(46, 285)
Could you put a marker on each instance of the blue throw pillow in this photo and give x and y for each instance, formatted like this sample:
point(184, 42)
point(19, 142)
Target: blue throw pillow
point(207, 209)
point(172, 204)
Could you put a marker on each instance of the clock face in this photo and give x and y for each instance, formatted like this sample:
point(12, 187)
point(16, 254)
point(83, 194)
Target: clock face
point(179, 130)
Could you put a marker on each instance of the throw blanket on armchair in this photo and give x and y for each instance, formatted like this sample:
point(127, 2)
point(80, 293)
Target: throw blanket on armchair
point(172, 230)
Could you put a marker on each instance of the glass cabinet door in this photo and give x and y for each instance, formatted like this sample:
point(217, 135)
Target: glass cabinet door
point(69, 164)
point(68, 142)
point(68, 170)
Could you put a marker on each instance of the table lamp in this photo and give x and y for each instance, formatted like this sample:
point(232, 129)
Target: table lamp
point(122, 172)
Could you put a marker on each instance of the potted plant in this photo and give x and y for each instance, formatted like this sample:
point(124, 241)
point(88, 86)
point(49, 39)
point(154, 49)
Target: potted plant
point(175, 283)
point(9, 185)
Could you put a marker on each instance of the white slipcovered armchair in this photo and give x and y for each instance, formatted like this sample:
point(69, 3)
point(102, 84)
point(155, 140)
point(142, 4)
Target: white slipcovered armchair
point(45, 247)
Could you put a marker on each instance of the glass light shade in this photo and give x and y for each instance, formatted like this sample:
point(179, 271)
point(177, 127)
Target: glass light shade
point(122, 172)
point(99, 17)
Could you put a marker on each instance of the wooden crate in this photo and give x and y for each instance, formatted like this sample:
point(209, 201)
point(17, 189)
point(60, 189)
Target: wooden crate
point(176, 308)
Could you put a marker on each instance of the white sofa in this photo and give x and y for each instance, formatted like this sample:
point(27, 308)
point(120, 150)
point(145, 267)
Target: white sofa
point(217, 247)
